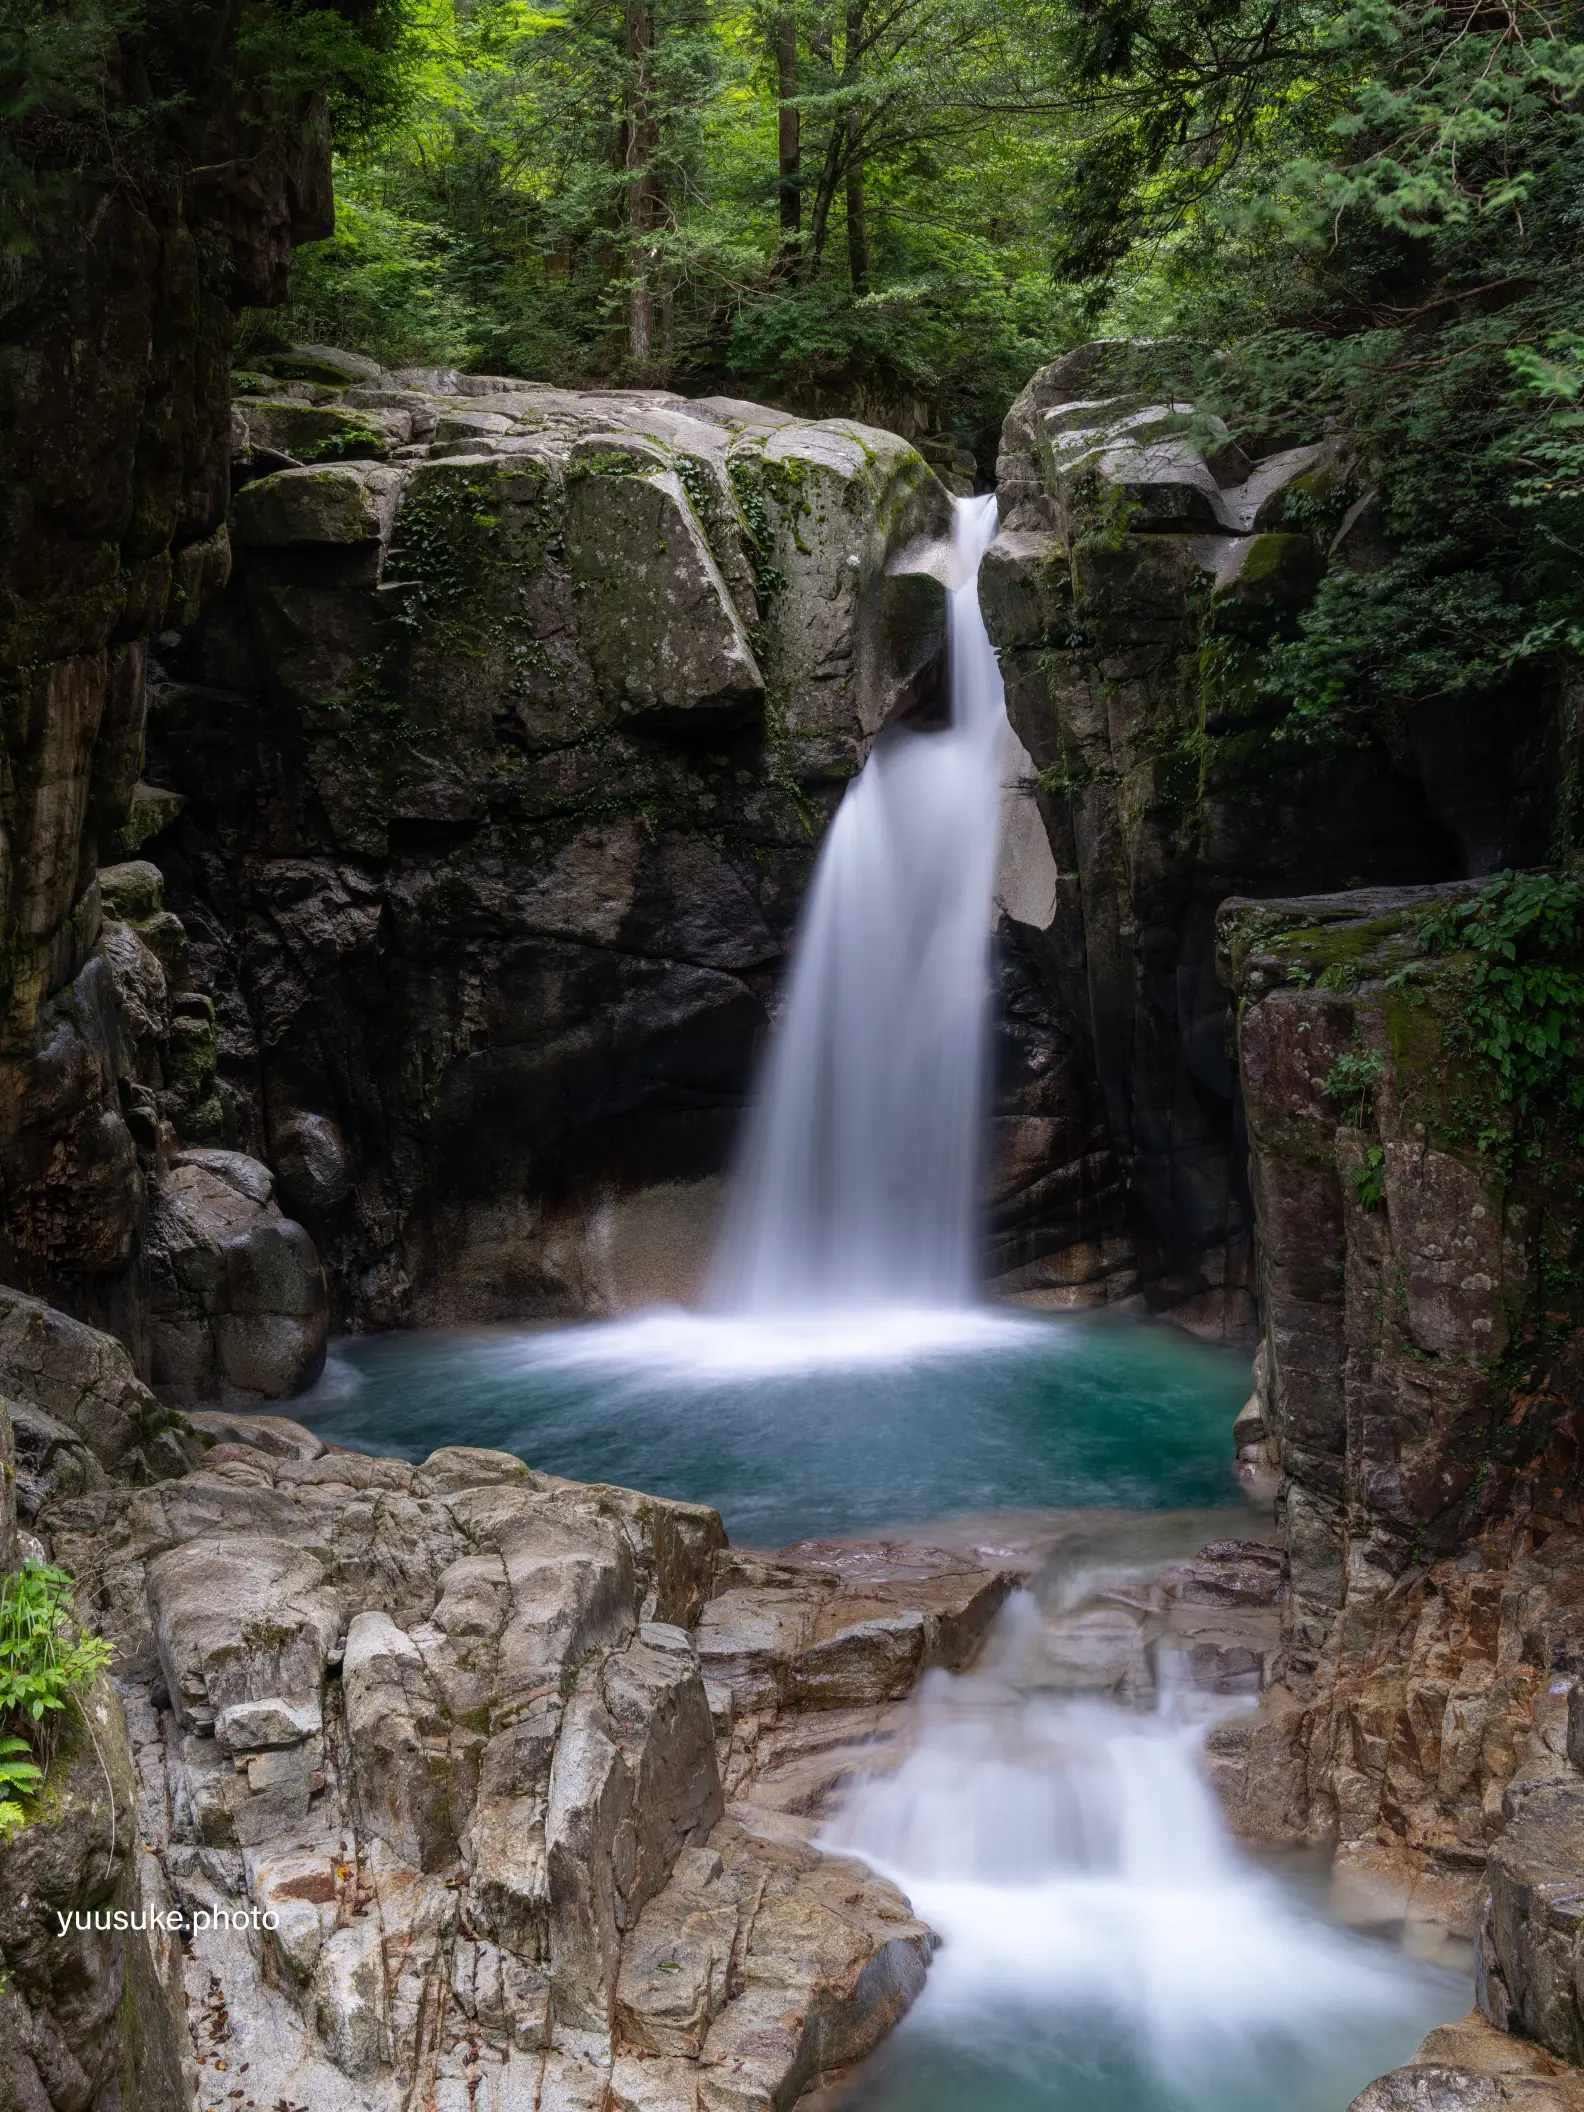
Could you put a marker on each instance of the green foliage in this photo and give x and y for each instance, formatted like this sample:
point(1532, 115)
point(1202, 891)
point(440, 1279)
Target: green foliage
point(20, 1774)
point(494, 226)
point(1352, 1081)
point(46, 1659)
point(1524, 1007)
point(1366, 1177)
point(116, 91)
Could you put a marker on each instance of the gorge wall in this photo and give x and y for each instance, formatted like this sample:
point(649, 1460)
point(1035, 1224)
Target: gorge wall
point(135, 247)
point(1420, 1387)
point(487, 792)
point(1132, 571)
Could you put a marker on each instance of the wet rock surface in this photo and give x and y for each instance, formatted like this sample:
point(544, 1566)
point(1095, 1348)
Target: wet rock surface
point(1420, 1713)
point(1469, 2066)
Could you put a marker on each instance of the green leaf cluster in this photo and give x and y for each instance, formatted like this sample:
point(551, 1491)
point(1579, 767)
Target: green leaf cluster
point(1523, 1011)
point(46, 1658)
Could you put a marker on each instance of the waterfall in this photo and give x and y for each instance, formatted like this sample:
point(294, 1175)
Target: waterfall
point(1105, 1942)
point(858, 1183)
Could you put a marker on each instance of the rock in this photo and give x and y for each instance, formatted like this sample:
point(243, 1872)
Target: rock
point(46, 1460)
point(239, 1307)
point(273, 1434)
point(241, 1620)
point(84, 2009)
point(1530, 1936)
point(8, 1490)
point(401, 1757)
point(115, 531)
point(322, 363)
point(132, 891)
point(153, 810)
point(504, 1787)
point(654, 613)
point(350, 1999)
point(1163, 797)
point(309, 433)
point(1435, 2088)
point(570, 569)
point(1432, 1622)
point(341, 504)
point(83, 1380)
point(312, 1167)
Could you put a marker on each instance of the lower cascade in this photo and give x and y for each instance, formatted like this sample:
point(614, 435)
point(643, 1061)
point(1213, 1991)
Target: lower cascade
point(857, 1184)
point(1105, 1945)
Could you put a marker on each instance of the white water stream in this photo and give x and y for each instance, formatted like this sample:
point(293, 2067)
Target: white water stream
point(1106, 1945)
point(858, 1183)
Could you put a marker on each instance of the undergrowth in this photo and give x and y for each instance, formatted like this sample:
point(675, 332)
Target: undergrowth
point(46, 1662)
point(1523, 1010)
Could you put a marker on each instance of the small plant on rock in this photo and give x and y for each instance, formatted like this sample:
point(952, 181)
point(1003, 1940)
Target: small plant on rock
point(1367, 1178)
point(1524, 1006)
point(46, 1661)
point(1352, 1081)
point(20, 1774)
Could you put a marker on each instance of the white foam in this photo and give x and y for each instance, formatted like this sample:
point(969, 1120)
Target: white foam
point(1075, 1863)
point(669, 1346)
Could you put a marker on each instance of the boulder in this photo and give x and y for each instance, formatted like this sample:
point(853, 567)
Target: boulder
point(240, 1311)
point(45, 1459)
point(242, 1620)
point(654, 613)
point(83, 1381)
point(340, 504)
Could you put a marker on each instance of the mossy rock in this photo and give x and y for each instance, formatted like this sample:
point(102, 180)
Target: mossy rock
point(334, 504)
point(1270, 571)
point(132, 891)
point(314, 432)
point(327, 364)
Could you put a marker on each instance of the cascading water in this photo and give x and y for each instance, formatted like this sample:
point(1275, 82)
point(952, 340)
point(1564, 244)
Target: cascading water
point(1106, 1947)
point(858, 1182)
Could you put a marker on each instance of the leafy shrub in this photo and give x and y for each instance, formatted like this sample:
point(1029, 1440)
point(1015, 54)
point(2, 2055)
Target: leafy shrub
point(1352, 1082)
point(19, 1774)
point(1524, 1010)
point(46, 1660)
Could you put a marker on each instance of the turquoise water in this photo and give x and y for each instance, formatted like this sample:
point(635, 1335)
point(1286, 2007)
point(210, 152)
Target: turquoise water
point(795, 1431)
point(1020, 2055)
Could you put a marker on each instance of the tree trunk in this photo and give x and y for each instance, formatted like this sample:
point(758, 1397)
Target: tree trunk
point(790, 141)
point(643, 199)
point(857, 213)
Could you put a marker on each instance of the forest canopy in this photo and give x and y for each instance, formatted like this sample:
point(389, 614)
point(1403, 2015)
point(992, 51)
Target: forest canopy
point(1358, 217)
point(1362, 218)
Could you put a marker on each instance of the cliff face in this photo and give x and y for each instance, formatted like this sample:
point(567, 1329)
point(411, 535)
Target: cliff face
point(1419, 1384)
point(135, 247)
point(503, 758)
point(500, 768)
point(1130, 574)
